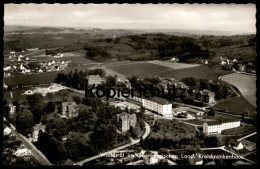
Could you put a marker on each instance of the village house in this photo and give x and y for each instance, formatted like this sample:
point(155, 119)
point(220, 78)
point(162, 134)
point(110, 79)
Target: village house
point(12, 108)
point(22, 151)
point(216, 127)
point(238, 146)
point(7, 131)
point(126, 120)
point(69, 109)
point(223, 62)
point(7, 68)
point(94, 80)
point(37, 128)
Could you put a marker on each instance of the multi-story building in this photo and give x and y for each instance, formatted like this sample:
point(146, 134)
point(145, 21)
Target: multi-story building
point(37, 129)
point(216, 127)
point(69, 109)
point(156, 104)
point(205, 95)
point(94, 79)
point(126, 120)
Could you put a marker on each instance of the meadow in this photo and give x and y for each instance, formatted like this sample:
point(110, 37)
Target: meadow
point(245, 83)
point(173, 65)
point(237, 105)
point(139, 69)
point(145, 69)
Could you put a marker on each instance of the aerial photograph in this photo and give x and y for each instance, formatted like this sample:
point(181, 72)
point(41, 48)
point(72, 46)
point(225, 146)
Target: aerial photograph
point(129, 84)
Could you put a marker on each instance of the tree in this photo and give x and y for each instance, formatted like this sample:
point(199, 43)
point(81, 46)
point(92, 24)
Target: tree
point(204, 84)
point(24, 121)
point(77, 99)
point(50, 107)
point(211, 112)
point(20, 85)
point(111, 81)
point(9, 87)
point(33, 100)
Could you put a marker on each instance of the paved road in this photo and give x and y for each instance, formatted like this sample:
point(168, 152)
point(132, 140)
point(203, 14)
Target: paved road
point(38, 155)
point(146, 133)
point(249, 135)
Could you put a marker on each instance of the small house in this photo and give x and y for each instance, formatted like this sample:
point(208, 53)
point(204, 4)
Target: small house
point(12, 108)
point(223, 62)
point(21, 152)
point(238, 146)
point(7, 131)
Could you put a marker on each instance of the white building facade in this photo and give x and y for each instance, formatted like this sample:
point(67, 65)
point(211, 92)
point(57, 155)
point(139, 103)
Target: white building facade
point(159, 105)
point(218, 127)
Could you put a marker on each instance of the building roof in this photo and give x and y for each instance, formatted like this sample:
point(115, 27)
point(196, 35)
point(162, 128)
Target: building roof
point(93, 77)
point(178, 109)
point(38, 127)
point(158, 100)
point(69, 103)
point(220, 121)
point(125, 115)
point(68, 162)
point(213, 123)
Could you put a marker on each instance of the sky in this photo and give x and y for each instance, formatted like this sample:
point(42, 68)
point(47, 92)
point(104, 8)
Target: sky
point(213, 17)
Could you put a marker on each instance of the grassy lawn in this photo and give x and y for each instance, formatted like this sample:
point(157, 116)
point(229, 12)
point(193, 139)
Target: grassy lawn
point(239, 130)
point(245, 83)
point(77, 57)
point(237, 106)
point(173, 65)
point(203, 72)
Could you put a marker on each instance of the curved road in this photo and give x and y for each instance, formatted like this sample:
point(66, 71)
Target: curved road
point(146, 133)
point(37, 154)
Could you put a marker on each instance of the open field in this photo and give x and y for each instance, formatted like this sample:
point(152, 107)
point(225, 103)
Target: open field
point(77, 57)
point(239, 130)
point(203, 72)
point(139, 69)
point(245, 83)
point(237, 106)
point(173, 65)
point(143, 69)
point(41, 78)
